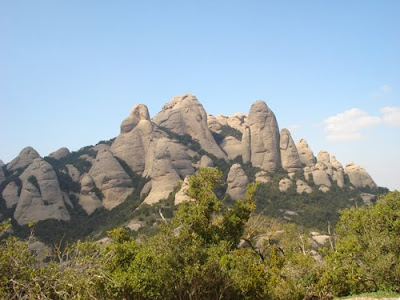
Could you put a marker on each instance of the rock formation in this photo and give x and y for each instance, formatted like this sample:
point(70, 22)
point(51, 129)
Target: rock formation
point(89, 198)
point(359, 177)
point(60, 153)
point(232, 147)
point(205, 161)
point(264, 137)
point(11, 194)
point(185, 115)
point(302, 187)
point(305, 153)
point(111, 179)
point(237, 182)
point(285, 184)
point(41, 197)
point(25, 157)
point(289, 156)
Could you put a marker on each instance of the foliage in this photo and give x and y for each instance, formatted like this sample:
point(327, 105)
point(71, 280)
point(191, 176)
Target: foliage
point(367, 253)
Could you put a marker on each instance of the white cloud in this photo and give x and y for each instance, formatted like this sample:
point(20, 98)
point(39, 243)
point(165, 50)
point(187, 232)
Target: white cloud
point(391, 115)
point(348, 125)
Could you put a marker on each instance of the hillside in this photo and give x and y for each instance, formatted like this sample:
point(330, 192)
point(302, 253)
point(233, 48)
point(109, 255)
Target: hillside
point(123, 181)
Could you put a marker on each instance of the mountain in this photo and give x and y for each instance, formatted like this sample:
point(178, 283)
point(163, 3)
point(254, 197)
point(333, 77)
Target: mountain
point(150, 159)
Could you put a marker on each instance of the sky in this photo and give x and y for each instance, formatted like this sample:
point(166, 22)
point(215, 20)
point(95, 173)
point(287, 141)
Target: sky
point(330, 70)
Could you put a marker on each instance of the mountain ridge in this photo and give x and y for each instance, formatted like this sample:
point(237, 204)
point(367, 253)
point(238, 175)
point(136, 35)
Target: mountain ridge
point(166, 149)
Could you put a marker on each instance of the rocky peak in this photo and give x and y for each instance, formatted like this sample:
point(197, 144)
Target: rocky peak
point(359, 177)
point(264, 137)
point(41, 197)
point(138, 112)
point(60, 153)
point(289, 156)
point(24, 158)
point(323, 157)
point(306, 155)
point(185, 115)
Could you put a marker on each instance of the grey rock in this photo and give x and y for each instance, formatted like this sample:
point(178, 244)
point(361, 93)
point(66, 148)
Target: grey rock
point(289, 156)
point(182, 194)
point(264, 137)
point(43, 199)
point(232, 147)
point(213, 124)
point(285, 184)
point(73, 172)
point(205, 162)
point(10, 194)
point(306, 155)
point(367, 198)
point(60, 153)
point(186, 115)
point(25, 157)
point(359, 177)
point(110, 178)
point(302, 187)
point(262, 177)
point(138, 112)
point(237, 182)
point(246, 145)
point(88, 198)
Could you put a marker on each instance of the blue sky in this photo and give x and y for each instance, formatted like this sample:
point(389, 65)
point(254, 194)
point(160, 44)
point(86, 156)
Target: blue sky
point(330, 70)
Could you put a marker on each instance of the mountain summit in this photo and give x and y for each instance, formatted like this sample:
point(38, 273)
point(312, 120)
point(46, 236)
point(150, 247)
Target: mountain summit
point(164, 150)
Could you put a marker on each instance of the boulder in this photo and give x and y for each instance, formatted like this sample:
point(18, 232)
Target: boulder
point(367, 198)
point(338, 176)
point(302, 187)
point(185, 115)
point(89, 198)
point(41, 197)
point(359, 177)
point(289, 156)
point(60, 153)
point(232, 147)
point(335, 163)
point(320, 175)
point(10, 194)
point(305, 154)
point(111, 179)
point(264, 137)
point(324, 189)
point(25, 157)
point(237, 182)
point(205, 161)
point(285, 184)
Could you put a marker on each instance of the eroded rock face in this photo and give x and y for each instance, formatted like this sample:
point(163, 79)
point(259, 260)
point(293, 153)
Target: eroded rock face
point(285, 184)
point(305, 153)
point(186, 115)
point(237, 121)
point(359, 177)
point(246, 145)
point(60, 153)
point(324, 157)
point(302, 187)
point(264, 137)
point(111, 179)
point(213, 124)
point(237, 182)
point(262, 177)
point(164, 176)
point(134, 141)
point(41, 197)
point(289, 156)
point(73, 172)
point(232, 147)
point(10, 194)
point(320, 175)
point(205, 162)
point(88, 199)
point(25, 157)
point(138, 112)
point(2, 176)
